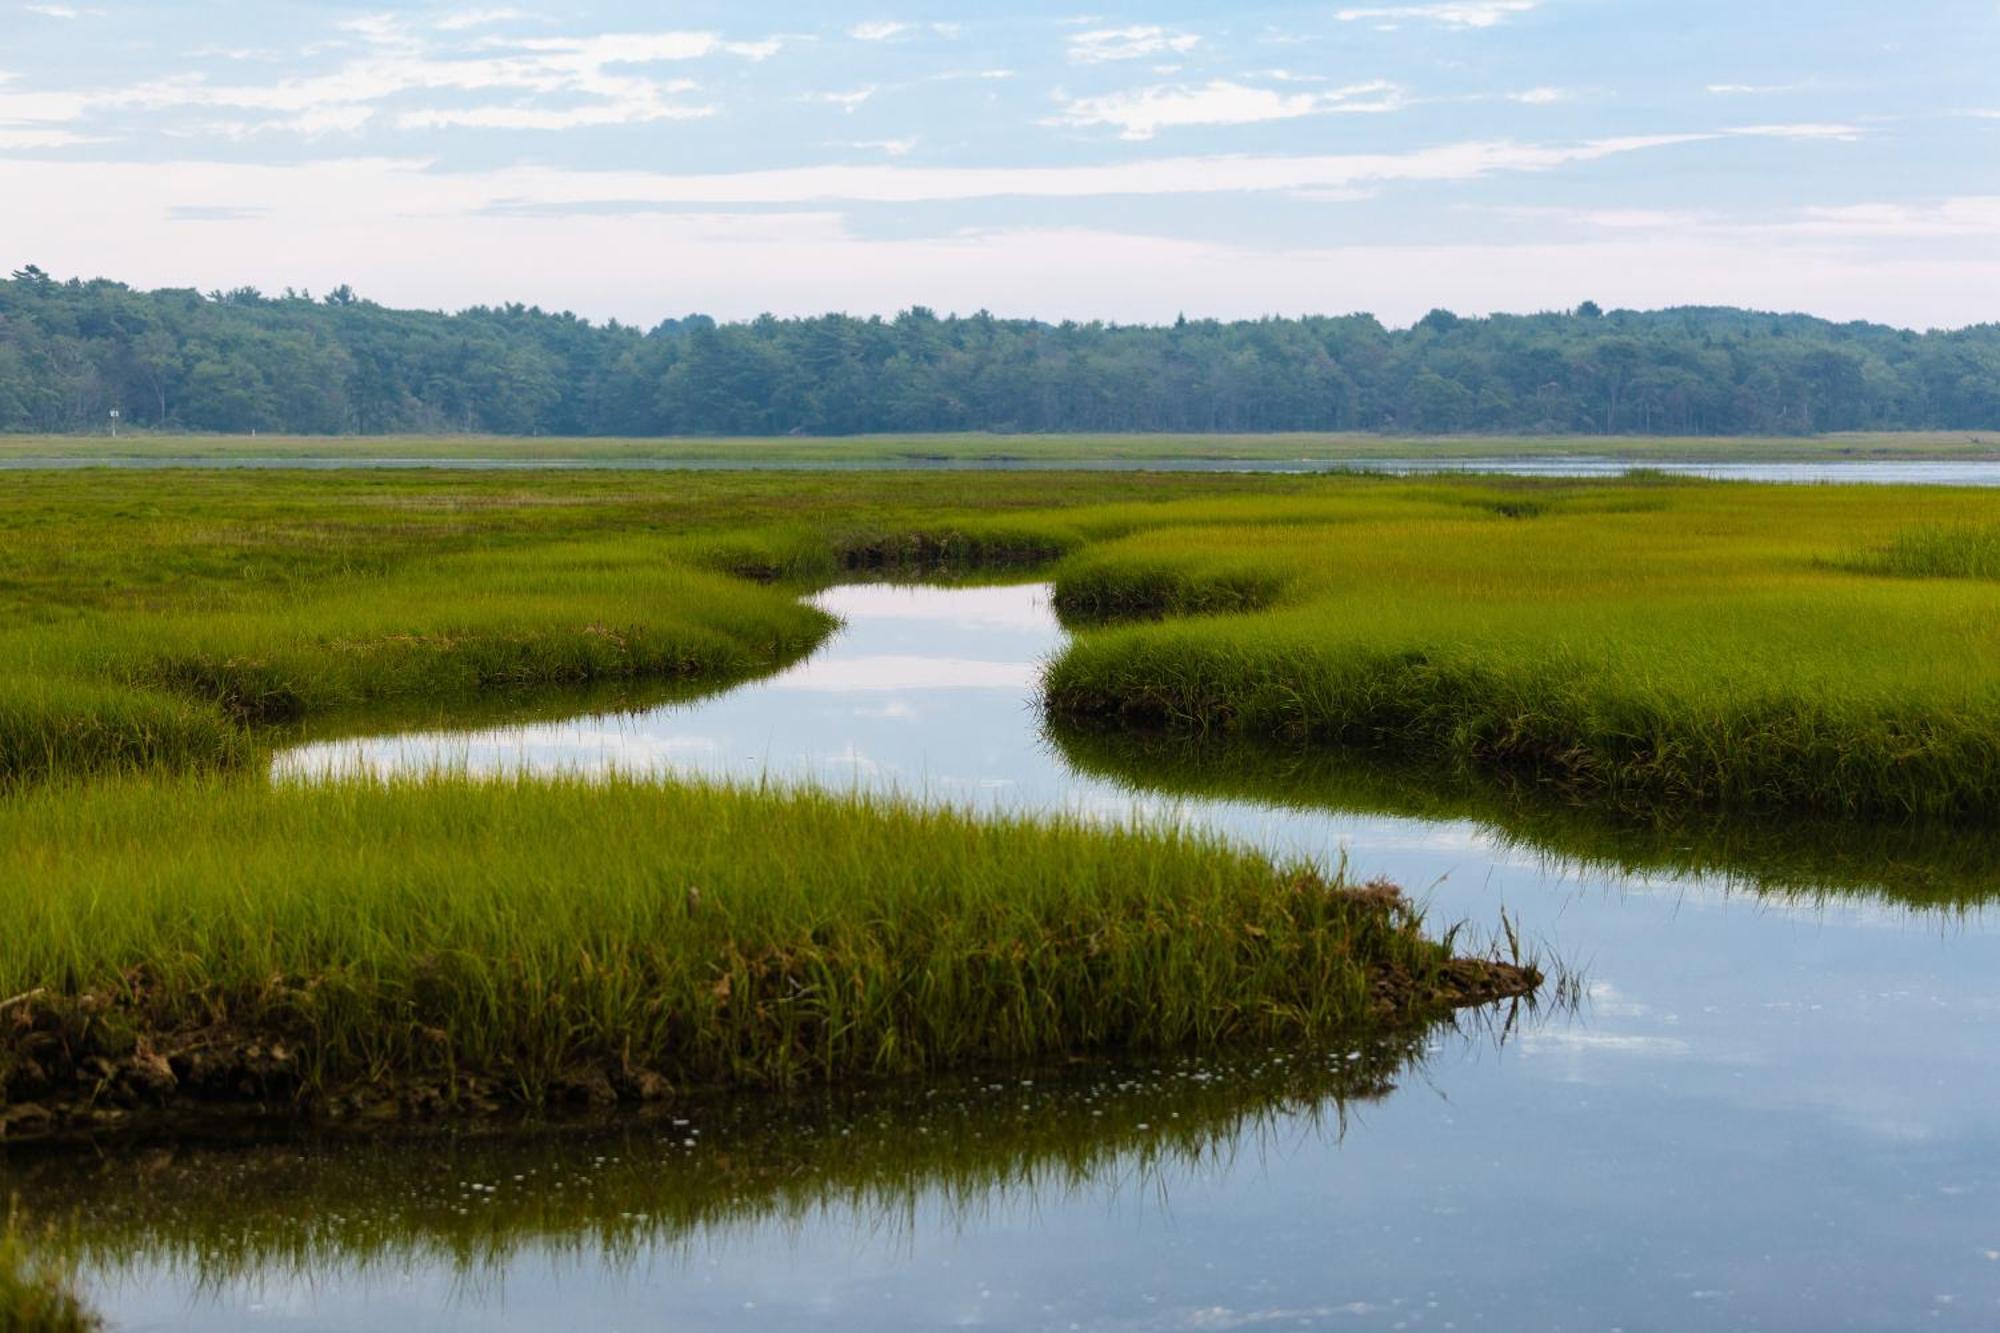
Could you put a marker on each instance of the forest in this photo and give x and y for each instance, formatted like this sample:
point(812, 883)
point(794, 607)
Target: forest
point(74, 352)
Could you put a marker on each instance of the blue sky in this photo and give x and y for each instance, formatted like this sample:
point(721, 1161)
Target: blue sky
point(1124, 162)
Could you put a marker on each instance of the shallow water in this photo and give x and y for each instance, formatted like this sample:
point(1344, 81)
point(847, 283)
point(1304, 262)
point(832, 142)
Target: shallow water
point(1775, 1110)
point(1879, 472)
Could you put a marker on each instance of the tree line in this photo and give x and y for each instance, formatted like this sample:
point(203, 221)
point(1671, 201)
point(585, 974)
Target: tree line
point(72, 352)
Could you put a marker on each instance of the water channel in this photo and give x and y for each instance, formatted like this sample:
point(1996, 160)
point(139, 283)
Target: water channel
point(1773, 1110)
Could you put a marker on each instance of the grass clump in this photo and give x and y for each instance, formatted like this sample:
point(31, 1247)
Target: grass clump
point(1954, 551)
point(528, 939)
point(57, 725)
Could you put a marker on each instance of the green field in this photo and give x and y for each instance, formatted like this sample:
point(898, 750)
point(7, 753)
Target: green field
point(1958, 446)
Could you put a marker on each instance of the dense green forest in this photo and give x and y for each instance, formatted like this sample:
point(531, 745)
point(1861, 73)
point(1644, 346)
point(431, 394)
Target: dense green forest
point(73, 352)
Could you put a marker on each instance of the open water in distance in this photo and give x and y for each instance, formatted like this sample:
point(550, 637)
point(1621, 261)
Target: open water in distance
point(1882, 472)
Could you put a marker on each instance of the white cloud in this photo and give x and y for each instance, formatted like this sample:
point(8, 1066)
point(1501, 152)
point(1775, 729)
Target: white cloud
point(567, 118)
point(312, 123)
point(1616, 219)
point(478, 18)
point(1539, 96)
point(1103, 44)
point(12, 139)
point(62, 11)
point(846, 101)
point(624, 48)
point(233, 53)
point(594, 81)
point(755, 51)
point(322, 224)
point(889, 29)
point(1747, 89)
point(1845, 133)
point(889, 147)
point(1143, 112)
point(409, 185)
point(1463, 14)
point(1968, 217)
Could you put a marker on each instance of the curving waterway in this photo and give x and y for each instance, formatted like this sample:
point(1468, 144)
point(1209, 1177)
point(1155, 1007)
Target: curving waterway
point(1774, 1110)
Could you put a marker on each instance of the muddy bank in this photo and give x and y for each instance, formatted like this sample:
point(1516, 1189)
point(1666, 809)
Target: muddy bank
point(94, 1066)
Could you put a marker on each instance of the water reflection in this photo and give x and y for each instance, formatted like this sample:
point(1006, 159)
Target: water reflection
point(1799, 859)
point(253, 1229)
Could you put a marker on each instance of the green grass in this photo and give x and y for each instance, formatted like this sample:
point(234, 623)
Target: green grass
point(151, 620)
point(1646, 646)
point(1961, 551)
point(527, 934)
point(988, 448)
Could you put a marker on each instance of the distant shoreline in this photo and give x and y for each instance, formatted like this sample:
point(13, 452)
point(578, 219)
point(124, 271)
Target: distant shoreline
point(988, 449)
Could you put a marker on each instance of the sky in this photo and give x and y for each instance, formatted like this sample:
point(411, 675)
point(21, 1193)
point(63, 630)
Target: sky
point(1124, 162)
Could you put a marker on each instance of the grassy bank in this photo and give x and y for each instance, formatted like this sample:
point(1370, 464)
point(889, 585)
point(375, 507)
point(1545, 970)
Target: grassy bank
point(1647, 645)
point(357, 945)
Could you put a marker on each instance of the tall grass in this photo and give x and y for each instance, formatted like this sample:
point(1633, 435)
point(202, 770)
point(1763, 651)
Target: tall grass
point(533, 933)
point(1694, 650)
point(57, 725)
point(1955, 551)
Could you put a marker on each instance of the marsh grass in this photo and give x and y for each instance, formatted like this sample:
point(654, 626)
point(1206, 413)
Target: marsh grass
point(162, 620)
point(1694, 648)
point(57, 725)
point(526, 932)
point(1956, 551)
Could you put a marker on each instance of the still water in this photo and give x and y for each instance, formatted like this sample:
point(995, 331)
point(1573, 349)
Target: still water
point(1774, 1111)
point(1860, 472)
